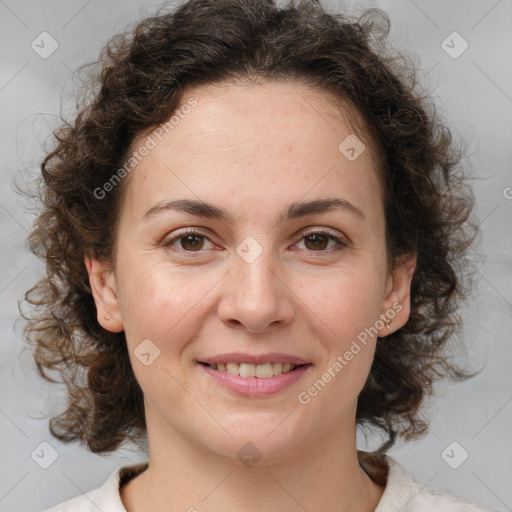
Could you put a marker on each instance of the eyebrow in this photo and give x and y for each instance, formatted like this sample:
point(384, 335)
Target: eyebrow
point(295, 210)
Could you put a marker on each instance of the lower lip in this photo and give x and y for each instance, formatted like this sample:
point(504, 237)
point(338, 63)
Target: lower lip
point(254, 387)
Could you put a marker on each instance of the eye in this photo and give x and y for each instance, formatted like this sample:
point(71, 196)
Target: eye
point(318, 241)
point(193, 240)
point(189, 241)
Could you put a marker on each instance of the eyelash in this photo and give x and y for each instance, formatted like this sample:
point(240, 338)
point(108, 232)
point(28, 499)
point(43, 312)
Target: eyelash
point(194, 231)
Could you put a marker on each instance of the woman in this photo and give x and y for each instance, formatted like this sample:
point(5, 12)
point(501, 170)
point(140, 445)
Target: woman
point(254, 233)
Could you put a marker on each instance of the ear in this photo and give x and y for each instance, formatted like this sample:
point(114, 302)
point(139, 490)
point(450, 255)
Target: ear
point(397, 303)
point(104, 291)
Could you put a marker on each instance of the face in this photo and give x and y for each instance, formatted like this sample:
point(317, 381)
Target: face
point(246, 236)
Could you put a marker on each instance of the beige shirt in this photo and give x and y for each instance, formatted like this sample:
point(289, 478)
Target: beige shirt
point(401, 493)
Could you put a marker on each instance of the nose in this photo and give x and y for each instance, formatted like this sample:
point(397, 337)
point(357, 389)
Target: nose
point(255, 298)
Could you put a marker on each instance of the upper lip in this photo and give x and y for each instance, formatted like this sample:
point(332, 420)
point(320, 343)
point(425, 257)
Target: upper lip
point(240, 357)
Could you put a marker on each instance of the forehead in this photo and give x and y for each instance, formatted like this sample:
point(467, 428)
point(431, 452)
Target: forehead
point(280, 110)
point(282, 135)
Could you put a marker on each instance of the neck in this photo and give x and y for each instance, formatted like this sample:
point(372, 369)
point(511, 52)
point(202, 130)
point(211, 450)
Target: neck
point(183, 477)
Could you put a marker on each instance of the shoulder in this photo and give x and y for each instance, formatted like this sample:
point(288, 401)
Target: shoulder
point(106, 498)
point(426, 499)
point(83, 503)
point(401, 493)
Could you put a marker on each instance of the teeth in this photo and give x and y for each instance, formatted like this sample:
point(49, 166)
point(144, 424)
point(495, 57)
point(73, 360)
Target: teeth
point(247, 370)
point(261, 371)
point(264, 371)
point(233, 368)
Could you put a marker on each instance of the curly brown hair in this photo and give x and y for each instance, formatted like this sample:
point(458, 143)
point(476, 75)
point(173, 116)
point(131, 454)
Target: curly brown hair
point(142, 78)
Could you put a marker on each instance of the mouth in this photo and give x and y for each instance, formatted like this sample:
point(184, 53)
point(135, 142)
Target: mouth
point(254, 379)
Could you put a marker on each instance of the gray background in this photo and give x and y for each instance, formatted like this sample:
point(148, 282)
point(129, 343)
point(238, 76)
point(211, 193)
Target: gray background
point(475, 92)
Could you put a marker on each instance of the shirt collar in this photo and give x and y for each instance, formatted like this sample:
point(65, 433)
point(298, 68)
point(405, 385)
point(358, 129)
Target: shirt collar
point(383, 470)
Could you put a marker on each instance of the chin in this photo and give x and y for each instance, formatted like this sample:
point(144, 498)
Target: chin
point(258, 439)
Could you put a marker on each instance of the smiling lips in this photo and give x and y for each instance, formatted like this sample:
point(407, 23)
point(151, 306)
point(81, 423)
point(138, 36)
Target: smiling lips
point(255, 375)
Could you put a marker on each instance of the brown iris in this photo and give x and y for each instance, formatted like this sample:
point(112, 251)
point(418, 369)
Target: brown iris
point(192, 242)
point(319, 241)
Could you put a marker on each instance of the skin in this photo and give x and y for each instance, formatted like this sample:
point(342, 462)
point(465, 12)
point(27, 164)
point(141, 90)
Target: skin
point(252, 150)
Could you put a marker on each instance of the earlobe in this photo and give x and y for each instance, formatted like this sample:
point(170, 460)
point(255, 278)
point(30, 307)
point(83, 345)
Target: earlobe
point(104, 291)
point(397, 303)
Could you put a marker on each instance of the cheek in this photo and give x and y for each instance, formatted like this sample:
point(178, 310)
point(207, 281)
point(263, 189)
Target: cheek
point(162, 304)
point(346, 307)
point(166, 307)
point(344, 313)
point(346, 302)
